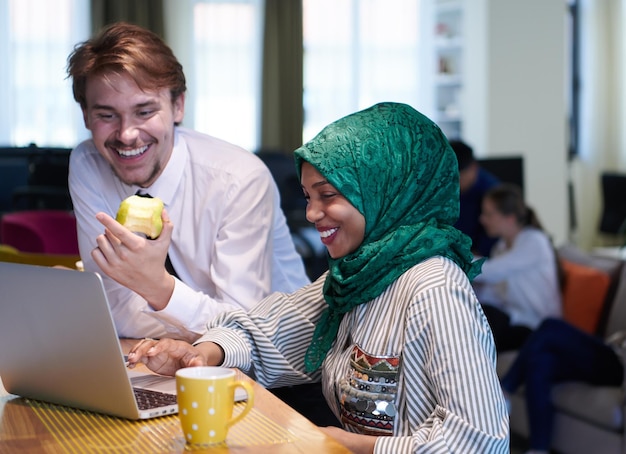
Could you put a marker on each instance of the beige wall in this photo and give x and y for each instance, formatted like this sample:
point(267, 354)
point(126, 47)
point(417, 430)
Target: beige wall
point(515, 97)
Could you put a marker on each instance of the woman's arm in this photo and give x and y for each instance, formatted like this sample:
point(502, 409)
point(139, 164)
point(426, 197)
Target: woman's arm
point(269, 342)
point(531, 248)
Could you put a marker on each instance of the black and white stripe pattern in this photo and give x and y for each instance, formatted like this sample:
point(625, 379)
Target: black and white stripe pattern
point(449, 398)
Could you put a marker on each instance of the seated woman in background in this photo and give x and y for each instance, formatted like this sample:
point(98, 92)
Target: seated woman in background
point(557, 352)
point(393, 329)
point(520, 284)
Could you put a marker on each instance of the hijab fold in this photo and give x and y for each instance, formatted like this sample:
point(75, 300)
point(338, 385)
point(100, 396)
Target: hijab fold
point(395, 166)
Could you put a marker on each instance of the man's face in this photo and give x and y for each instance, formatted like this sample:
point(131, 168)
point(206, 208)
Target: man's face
point(131, 128)
point(467, 177)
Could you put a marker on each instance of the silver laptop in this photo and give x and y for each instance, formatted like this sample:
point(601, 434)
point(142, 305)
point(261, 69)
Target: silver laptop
point(58, 344)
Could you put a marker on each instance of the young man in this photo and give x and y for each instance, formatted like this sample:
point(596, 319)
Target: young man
point(474, 182)
point(224, 232)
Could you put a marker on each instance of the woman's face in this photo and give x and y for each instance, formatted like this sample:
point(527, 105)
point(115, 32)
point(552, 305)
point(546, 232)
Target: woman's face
point(495, 223)
point(340, 225)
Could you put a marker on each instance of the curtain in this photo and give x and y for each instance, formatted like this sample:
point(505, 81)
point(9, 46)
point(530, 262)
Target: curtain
point(146, 13)
point(281, 98)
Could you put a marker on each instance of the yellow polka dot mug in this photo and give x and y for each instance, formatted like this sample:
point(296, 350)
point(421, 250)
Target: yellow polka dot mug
point(206, 399)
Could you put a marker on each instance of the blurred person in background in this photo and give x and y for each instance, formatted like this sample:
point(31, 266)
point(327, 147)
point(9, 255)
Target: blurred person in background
point(474, 182)
point(520, 283)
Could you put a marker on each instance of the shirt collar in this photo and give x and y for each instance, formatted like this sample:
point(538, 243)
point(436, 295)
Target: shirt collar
point(166, 185)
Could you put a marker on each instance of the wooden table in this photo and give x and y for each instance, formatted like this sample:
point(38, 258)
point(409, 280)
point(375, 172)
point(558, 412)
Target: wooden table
point(33, 427)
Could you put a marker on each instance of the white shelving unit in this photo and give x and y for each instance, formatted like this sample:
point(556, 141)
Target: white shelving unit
point(449, 66)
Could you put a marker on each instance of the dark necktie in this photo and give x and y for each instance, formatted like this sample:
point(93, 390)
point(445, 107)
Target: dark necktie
point(168, 263)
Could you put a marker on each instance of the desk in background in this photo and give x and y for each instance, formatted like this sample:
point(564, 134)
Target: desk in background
point(28, 426)
point(617, 252)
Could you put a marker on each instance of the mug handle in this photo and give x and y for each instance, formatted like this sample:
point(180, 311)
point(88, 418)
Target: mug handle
point(249, 403)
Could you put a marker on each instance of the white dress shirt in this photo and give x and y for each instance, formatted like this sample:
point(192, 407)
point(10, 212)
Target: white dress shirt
point(230, 245)
point(441, 385)
point(522, 280)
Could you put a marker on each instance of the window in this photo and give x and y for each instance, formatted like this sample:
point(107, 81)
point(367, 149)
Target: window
point(358, 53)
point(37, 98)
point(225, 84)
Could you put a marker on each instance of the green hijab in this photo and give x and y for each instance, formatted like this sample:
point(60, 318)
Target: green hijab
point(396, 167)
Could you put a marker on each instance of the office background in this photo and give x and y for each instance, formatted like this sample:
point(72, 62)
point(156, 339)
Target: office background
point(516, 97)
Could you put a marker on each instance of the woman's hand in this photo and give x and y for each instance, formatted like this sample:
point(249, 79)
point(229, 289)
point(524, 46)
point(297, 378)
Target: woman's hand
point(166, 356)
point(357, 444)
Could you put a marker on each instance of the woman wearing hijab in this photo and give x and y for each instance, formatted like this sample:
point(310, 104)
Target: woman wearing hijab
point(393, 330)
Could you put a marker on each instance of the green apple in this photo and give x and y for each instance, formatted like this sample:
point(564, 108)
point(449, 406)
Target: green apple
point(141, 215)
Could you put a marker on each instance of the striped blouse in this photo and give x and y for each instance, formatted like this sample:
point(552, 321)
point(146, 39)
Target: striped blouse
point(416, 365)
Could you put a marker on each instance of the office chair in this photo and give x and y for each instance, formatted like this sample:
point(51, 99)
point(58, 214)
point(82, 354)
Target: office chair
point(613, 217)
point(47, 186)
point(40, 231)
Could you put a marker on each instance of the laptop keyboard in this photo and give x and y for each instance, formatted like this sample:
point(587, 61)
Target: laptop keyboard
point(147, 399)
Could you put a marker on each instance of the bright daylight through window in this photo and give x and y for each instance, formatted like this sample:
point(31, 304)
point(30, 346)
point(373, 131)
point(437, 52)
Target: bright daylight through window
point(37, 102)
point(356, 53)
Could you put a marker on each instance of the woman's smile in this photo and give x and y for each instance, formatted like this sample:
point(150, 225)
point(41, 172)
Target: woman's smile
point(340, 225)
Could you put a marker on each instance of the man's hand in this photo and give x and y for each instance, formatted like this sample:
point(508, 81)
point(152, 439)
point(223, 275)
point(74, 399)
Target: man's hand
point(136, 262)
point(166, 356)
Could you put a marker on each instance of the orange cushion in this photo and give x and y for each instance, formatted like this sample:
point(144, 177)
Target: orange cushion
point(583, 295)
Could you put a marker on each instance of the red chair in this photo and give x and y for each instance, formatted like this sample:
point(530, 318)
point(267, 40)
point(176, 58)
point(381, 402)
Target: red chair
point(41, 231)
